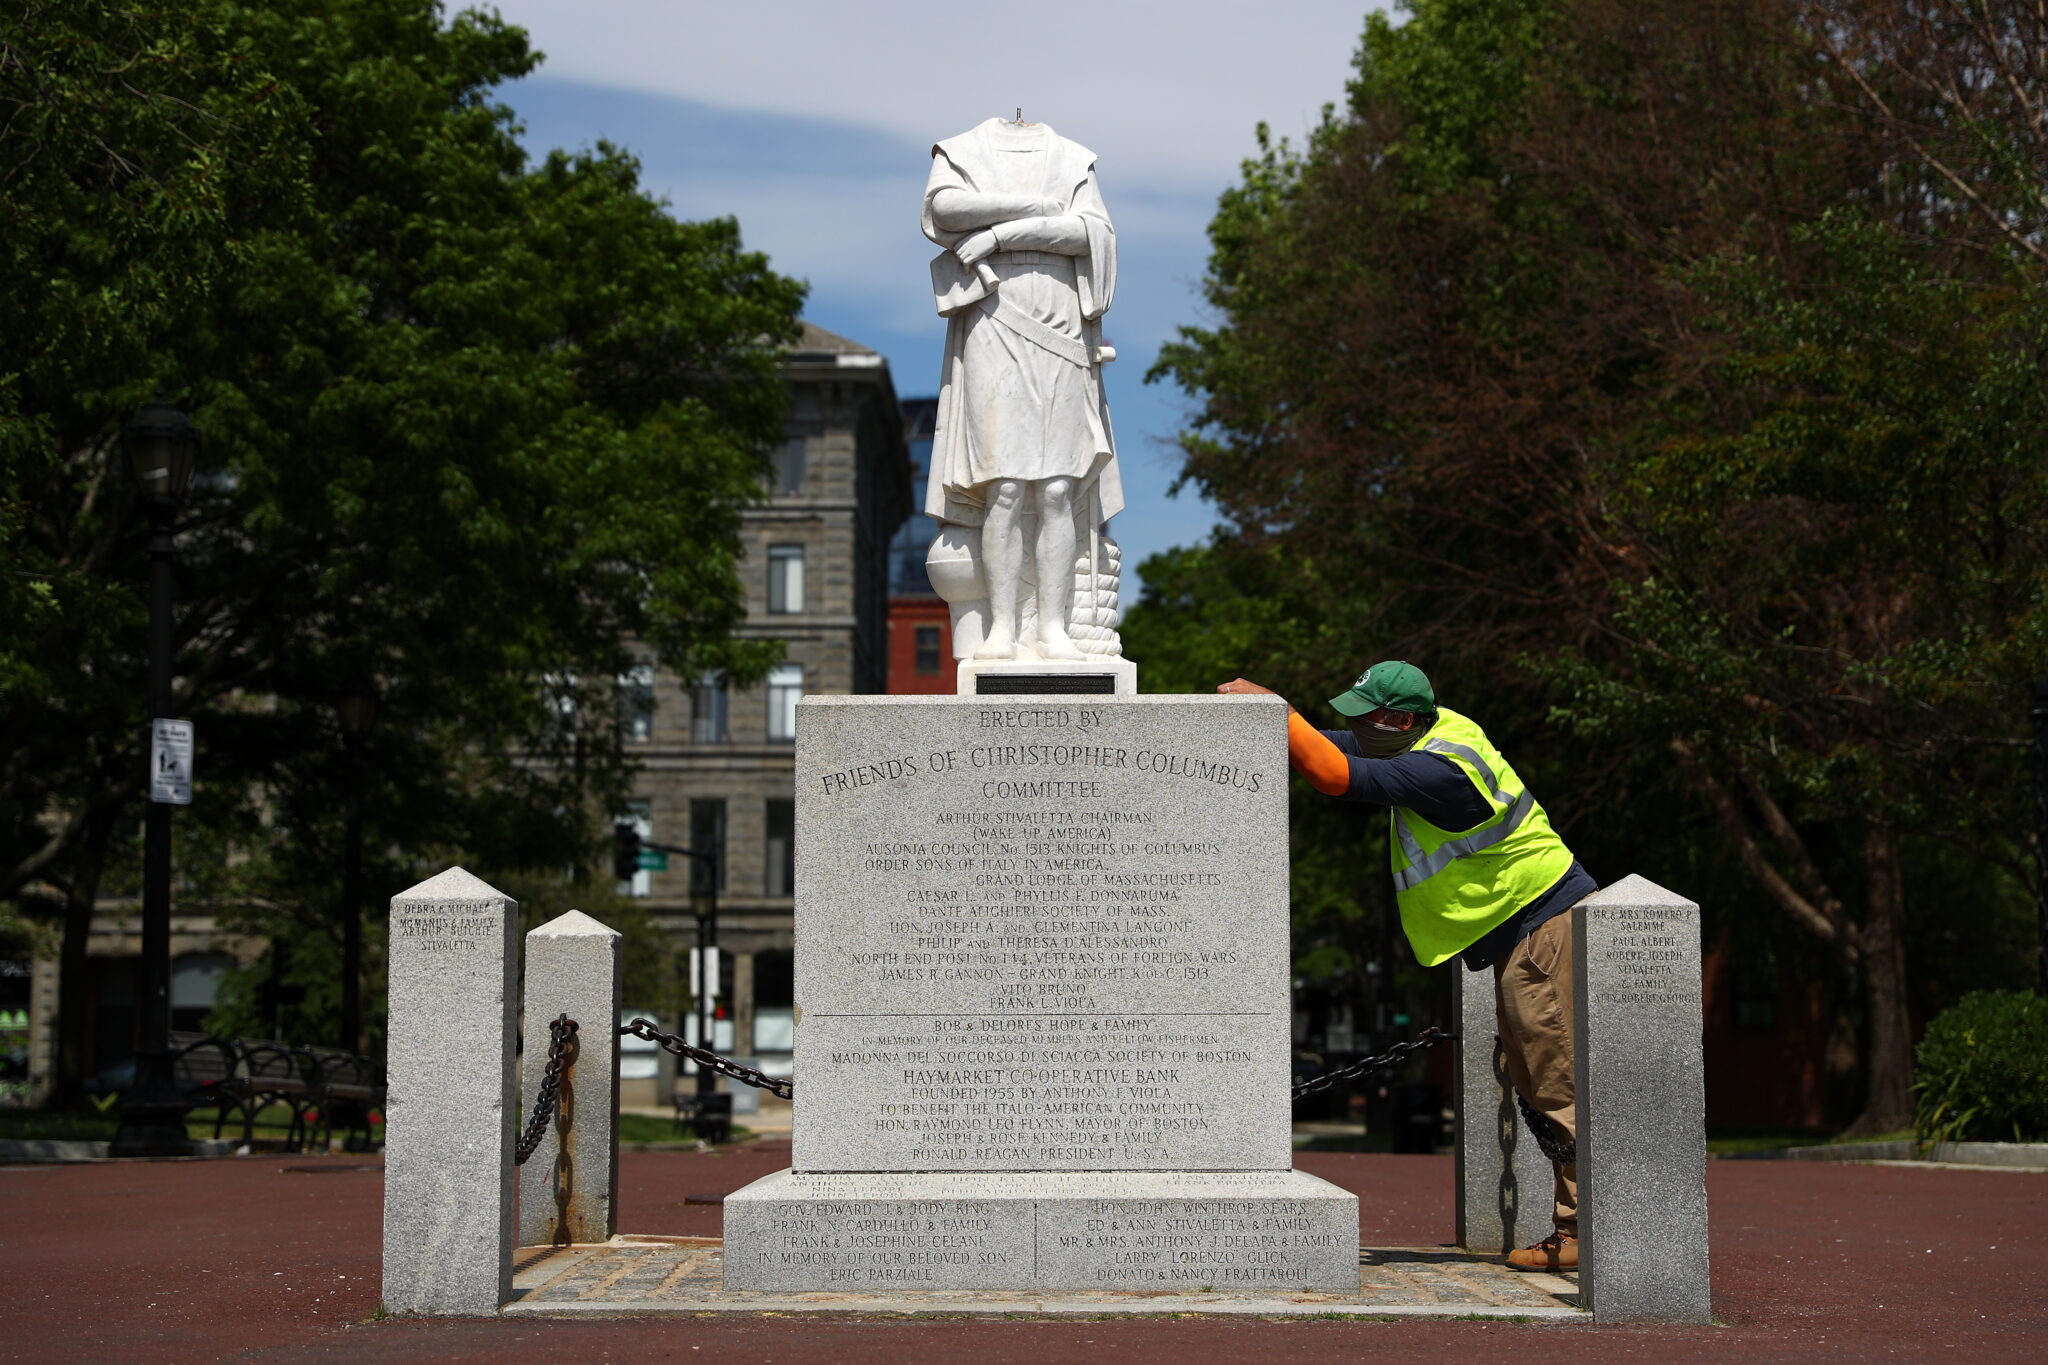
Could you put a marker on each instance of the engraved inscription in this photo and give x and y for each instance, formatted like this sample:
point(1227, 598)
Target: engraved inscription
point(428, 932)
point(1057, 941)
point(1647, 958)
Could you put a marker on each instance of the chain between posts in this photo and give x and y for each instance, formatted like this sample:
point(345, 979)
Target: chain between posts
point(1563, 1150)
point(1429, 1037)
point(724, 1066)
point(561, 1039)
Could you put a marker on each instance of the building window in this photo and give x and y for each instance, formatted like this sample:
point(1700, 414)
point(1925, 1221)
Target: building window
point(707, 835)
point(785, 579)
point(785, 685)
point(927, 649)
point(708, 711)
point(636, 704)
point(195, 981)
point(640, 815)
point(774, 995)
point(786, 467)
point(780, 876)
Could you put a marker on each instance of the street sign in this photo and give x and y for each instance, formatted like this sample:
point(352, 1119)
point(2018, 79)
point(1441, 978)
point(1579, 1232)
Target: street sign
point(702, 959)
point(651, 861)
point(170, 762)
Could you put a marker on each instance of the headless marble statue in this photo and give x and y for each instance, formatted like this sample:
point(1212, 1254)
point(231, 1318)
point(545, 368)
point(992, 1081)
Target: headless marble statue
point(1023, 474)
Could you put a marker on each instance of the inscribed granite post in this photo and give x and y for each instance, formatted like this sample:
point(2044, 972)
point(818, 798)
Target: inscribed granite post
point(448, 1116)
point(1641, 1106)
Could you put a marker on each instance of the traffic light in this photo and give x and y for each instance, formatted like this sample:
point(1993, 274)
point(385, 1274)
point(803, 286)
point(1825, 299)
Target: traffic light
point(625, 851)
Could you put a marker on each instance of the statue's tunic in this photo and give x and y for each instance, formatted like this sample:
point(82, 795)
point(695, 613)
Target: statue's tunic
point(1020, 394)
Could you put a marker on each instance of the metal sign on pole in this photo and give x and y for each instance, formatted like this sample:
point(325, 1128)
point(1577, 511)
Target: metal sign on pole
point(170, 762)
point(704, 973)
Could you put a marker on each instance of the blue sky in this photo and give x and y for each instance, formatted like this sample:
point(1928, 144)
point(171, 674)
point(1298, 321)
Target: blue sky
point(812, 124)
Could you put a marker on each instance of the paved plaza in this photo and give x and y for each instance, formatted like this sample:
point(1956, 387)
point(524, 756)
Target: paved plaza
point(276, 1258)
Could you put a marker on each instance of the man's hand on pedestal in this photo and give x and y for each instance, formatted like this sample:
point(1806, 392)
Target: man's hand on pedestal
point(1245, 687)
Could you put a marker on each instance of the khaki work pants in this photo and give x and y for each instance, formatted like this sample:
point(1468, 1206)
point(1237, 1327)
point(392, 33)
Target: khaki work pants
point(1533, 1001)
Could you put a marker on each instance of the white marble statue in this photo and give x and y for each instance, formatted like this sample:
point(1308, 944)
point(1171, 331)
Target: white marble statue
point(1023, 471)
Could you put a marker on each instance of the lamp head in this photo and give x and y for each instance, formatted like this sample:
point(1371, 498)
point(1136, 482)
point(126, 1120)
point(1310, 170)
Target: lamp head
point(161, 447)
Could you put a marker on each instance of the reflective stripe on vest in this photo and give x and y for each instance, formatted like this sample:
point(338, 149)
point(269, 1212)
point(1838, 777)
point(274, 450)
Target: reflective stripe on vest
point(1421, 867)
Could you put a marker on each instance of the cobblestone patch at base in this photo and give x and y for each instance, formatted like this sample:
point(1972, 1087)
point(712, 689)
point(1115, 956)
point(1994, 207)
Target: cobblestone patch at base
point(659, 1275)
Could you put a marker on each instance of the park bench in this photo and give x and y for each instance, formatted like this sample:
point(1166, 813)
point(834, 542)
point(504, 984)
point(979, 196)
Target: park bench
point(205, 1069)
point(270, 1074)
point(708, 1116)
point(346, 1088)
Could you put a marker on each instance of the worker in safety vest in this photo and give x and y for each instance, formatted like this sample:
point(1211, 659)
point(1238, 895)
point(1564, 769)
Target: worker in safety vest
point(1479, 875)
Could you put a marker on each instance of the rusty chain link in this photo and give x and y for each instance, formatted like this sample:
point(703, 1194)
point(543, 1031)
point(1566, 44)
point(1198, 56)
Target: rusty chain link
point(1429, 1037)
point(724, 1066)
point(561, 1038)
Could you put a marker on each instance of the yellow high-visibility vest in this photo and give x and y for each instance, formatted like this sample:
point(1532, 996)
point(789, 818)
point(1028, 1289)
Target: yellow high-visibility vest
point(1455, 888)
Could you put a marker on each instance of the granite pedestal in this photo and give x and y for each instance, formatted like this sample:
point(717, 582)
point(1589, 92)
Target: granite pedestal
point(1641, 1106)
point(568, 1188)
point(1042, 1004)
point(1505, 1185)
point(448, 1115)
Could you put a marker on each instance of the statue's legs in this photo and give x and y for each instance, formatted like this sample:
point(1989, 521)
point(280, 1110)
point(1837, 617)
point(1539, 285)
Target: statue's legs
point(1055, 561)
point(1002, 564)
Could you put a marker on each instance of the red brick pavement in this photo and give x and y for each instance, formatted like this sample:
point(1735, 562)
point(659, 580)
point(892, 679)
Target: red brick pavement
point(251, 1259)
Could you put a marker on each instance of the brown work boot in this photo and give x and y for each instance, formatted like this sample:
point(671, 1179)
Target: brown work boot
point(1558, 1251)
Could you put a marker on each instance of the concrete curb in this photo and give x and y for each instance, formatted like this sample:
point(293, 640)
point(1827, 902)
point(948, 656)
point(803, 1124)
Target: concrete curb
point(40, 1150)
point(2016, 1156)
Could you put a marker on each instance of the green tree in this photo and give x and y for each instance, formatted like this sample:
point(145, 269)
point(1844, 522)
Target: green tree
point(1546, 256)
point(1844, 598)
point(477, 430)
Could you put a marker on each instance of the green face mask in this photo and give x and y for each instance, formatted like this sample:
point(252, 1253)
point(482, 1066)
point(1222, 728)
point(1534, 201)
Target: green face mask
point(1377, 742)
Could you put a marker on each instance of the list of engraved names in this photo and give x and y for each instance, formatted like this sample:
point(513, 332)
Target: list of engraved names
point(1057, 940)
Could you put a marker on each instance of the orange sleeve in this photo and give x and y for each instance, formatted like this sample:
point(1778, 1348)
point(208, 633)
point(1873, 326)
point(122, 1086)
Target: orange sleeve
point(1318, 760)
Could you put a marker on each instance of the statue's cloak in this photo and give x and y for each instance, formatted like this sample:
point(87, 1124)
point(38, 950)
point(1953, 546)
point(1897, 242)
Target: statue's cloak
point(1029, 365)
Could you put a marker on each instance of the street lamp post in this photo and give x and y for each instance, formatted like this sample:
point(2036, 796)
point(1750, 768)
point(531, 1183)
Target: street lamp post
point(159, 445)
point(714, 1111)
point(2041, 834)
point(358, 712)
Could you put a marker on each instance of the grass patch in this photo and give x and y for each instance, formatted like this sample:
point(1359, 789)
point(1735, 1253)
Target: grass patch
point(32, 1125)
point(652, 1128)
point(1728, 1141)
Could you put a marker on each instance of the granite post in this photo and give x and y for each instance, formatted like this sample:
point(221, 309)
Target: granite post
point(1505, 1190)
point(1043, 1008)
point(568, 1188)
point(1641, 1106)
point(454, 961)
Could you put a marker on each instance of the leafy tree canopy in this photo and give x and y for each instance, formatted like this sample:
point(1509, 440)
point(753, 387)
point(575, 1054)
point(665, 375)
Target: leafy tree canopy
point(477, 430)
point(1667, 380)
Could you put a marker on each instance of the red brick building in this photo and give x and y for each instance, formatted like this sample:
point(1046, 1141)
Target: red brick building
point(920, 625)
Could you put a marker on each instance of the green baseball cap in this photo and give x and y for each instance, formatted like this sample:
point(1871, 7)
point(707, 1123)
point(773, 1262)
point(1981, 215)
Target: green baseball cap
point(1395, 685)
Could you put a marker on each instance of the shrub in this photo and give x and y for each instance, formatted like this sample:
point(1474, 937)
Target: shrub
point(1982, 1072)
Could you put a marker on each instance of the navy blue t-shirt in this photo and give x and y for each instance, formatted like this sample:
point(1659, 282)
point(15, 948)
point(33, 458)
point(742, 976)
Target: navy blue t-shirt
point(1438, 790)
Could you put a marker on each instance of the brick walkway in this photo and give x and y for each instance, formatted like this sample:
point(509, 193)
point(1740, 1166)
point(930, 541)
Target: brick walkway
point(276, 1259)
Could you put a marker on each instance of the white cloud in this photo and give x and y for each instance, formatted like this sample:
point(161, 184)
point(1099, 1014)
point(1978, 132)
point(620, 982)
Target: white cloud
point(1165, 91)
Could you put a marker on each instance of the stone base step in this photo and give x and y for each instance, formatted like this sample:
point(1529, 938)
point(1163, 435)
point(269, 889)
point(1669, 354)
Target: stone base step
point(636, 1276)
point(1034, 1231)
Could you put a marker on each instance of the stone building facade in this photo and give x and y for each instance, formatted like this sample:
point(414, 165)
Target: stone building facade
point(718, 763)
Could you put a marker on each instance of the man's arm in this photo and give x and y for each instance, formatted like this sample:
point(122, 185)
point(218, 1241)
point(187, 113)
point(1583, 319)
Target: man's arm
point(1429, 784)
